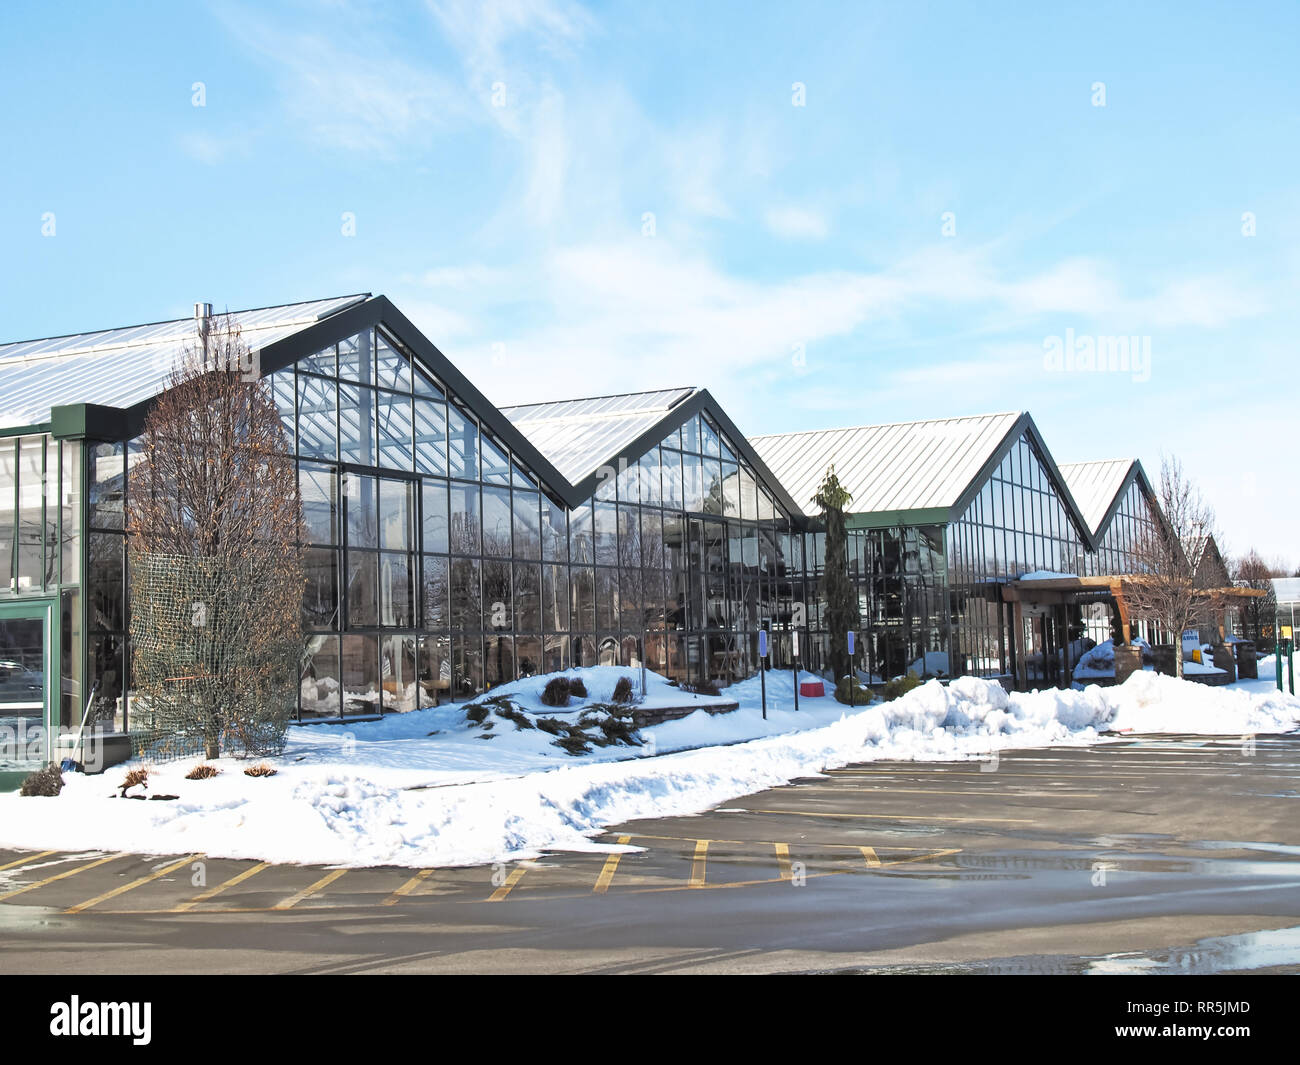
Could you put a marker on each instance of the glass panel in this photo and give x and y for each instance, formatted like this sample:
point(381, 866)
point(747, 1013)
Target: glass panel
point(357, 425)
point(396, 590)
point(360, 676)
point(436, 612)
point(31, 518)
point(584, 598)
point(435, 517)
point(581, 541)
point(393, 414)
point(465, 525)
point(466, 595)
point(363, 589)
point(397, 515)
point(321, 596)
point(392, 368)
point(499, 660)
point(22, 693)
point(555, 598)
point(282, 393)
point(555, 539)
point(70, 517)
point(527, 531)
point(528, 597)
point(496, 467)
point(431, 437)
point(435, 670)
point(691, 434)
point(520, 477)
point(400, 688)
point(467, 667)
point(606, 538)
point(104, 580)
point(528, 656)
point(710, 443)
point(320, 678)
point(497, 597)
point(363, 510)
point(496, 521)
point(426, 386)
point(318, 486)
point(355, 360)
point(462, 444)
point(317, 418)
point(672, 478)
point(651, 491)
point(107, 481)
point(106, 663)
point(322, 362)
point(693, 477)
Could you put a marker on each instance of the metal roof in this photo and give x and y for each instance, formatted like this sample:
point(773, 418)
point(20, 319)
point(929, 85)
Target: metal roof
point(580, 435)
point(1287, 590)
point(899, 467)
point(1095, 485)
point(125, 366)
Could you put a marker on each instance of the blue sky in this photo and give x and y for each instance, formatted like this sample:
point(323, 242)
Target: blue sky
point(502, 162)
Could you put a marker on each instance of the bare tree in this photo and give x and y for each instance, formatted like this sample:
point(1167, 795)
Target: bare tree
point(215, 523)
point(1251, 571)
point(1165, 590)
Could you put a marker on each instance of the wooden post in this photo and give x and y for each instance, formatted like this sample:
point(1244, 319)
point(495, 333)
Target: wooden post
point(1018, 645)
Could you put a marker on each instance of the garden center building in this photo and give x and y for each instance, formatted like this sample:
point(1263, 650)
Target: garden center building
point(453, 545)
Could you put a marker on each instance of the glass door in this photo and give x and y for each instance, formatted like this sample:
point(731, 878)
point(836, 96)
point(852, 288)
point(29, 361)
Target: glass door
point(27, 659)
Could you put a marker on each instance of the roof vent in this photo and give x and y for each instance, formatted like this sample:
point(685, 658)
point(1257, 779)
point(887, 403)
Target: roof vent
point(202, 310)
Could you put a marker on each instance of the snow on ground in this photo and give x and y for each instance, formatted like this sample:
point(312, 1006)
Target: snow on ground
point(387, 792)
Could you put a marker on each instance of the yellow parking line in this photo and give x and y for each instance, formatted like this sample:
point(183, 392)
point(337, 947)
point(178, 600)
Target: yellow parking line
point(898, 817)
point(869, 853)
point(697, 863)
point(122, 889)
point(213, 892)
point(516, 875)
point(925, 857)
point(61, 876)
point(783, 859)
point(325, 881)
point(407, 888)
point(610, 868)
point(29, 858)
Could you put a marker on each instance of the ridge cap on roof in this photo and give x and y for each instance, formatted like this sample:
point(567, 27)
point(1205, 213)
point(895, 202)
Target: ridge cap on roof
point(169, 321)
point(890, 425)
point(612, 395)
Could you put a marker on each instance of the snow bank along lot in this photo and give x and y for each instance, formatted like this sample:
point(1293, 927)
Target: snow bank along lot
point(425, 789)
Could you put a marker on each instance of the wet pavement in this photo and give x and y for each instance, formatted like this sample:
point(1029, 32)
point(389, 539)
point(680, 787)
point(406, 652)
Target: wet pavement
point(1169, 854)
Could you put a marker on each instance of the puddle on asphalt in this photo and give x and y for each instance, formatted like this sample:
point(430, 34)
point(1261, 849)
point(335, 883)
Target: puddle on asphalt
point(1277, 948)
point(1252, 950)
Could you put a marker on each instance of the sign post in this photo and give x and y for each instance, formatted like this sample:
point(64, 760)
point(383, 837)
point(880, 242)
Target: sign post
point(794, 636)
point(853, 680)
point(762, 667)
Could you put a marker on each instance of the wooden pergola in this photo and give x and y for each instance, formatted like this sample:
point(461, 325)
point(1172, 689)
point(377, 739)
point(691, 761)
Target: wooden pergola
point(1057, 593)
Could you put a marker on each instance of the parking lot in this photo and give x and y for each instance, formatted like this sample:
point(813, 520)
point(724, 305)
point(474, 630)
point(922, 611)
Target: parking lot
point(1041, 860)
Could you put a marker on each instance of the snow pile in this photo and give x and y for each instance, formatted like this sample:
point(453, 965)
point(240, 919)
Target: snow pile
point(392, 795)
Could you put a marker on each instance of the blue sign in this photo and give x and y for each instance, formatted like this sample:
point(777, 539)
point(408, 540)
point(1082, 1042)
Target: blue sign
point(762, 643)
point(851, 635)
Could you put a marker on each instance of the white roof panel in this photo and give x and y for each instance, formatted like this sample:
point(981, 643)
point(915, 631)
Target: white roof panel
point(579, 435)
point(903, 466)
point(122, 367)
point(1095, 485)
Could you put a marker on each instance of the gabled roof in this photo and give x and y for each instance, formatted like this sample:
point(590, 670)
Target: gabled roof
point(908, 472)
point(125, 366)
point(1099, 488)
point(578, 435)
point(117, 373)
